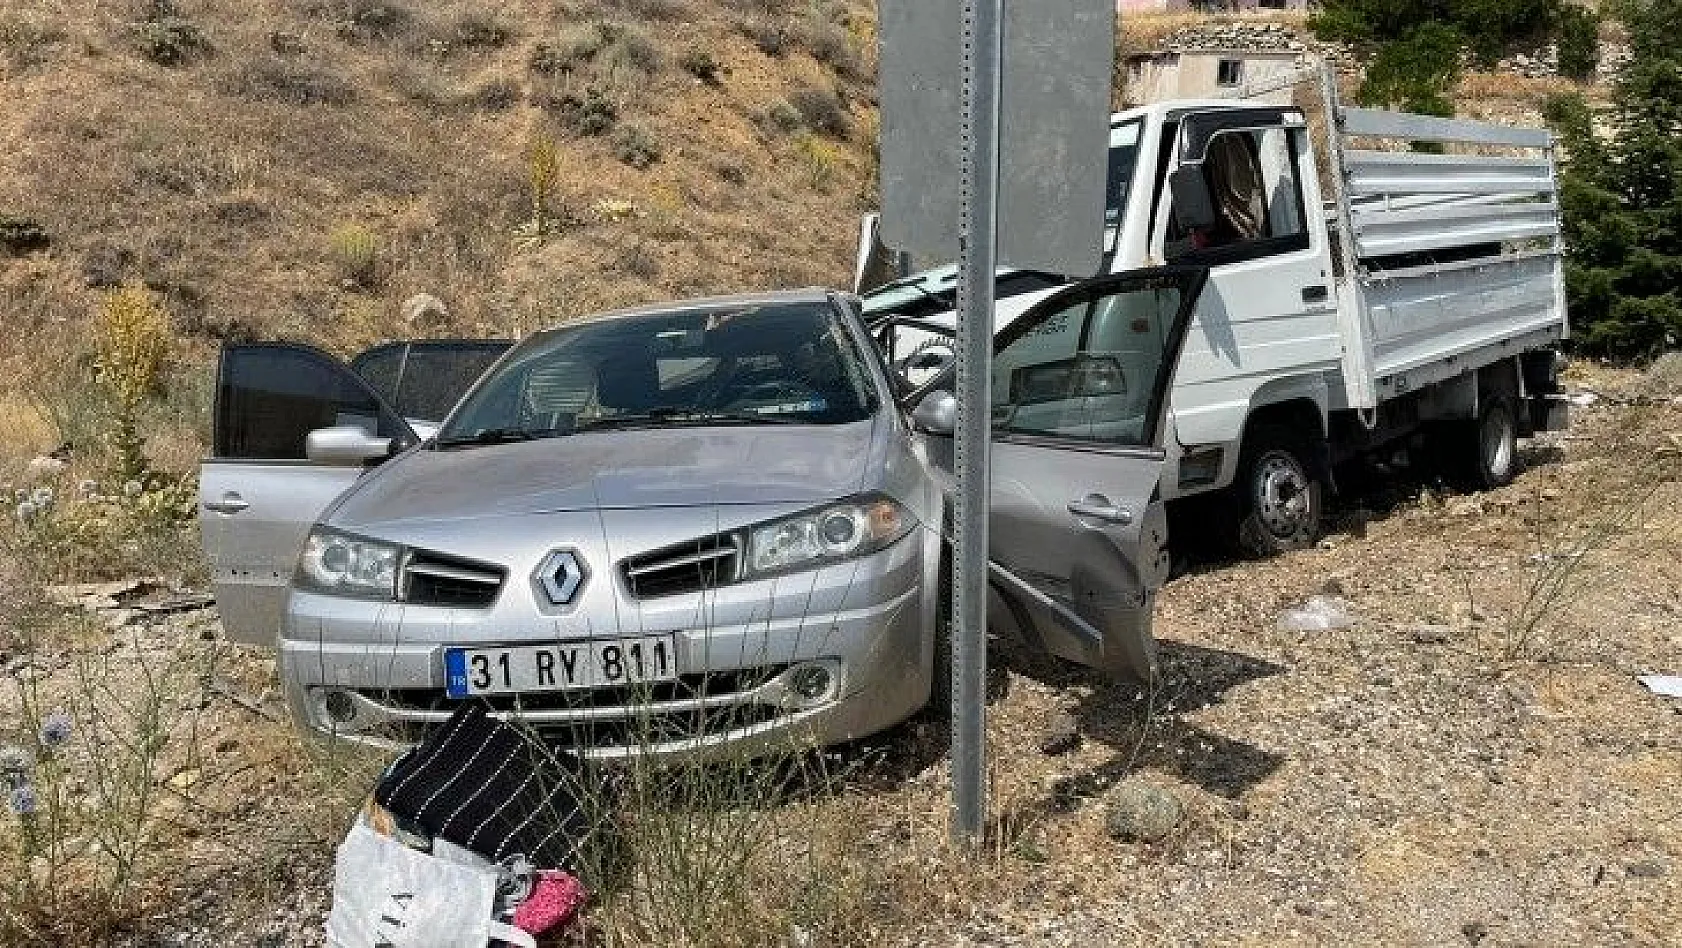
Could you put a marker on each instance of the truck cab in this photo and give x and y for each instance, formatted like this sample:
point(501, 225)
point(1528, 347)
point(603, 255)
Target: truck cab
point(1373, 279)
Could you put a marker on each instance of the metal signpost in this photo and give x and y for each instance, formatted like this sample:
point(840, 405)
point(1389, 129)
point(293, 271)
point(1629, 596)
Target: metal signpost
point(1013, 106)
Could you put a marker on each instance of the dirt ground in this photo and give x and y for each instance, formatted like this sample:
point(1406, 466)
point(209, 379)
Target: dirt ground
point(1472, 761)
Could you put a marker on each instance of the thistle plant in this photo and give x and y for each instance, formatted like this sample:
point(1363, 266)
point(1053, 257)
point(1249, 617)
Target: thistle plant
point(543, 168)
point(132, 345)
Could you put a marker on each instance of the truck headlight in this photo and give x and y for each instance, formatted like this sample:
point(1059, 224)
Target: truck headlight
point(840, 531)
point(346, 565)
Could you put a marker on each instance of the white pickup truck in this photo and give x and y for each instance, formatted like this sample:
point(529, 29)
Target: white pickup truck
point(1361, 297)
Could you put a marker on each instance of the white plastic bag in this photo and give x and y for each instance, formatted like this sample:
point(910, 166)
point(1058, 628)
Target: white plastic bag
point(386, 895)
point(1318, 614)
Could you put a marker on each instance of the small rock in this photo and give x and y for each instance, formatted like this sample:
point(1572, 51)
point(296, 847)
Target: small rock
point(1333, 586)
point(1138, 812)
point(286, 44)
point(44, 468)
point(1475, 932)
point(1062, 736)
point(424, 309)
point(1645, 869)
point(1431, 634)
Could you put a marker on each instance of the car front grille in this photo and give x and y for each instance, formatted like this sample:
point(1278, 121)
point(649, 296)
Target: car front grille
point(684, 568)
point(431, 579)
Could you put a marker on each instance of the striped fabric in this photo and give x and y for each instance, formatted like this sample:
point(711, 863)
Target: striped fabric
point(486, 786)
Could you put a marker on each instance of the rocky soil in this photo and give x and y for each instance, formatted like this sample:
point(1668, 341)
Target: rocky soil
point(1471, 761)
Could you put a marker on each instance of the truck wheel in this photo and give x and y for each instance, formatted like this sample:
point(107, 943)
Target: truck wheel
point(1487, 449)
point(1279, 493)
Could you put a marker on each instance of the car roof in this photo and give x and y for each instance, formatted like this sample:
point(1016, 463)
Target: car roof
point(810, 294)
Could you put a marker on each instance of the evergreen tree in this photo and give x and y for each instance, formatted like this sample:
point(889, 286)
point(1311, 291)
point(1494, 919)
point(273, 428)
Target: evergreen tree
point(1622, 195)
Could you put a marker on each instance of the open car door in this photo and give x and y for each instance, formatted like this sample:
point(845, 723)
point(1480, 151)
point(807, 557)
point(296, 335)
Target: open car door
point(1078, 532)
point(259, 493)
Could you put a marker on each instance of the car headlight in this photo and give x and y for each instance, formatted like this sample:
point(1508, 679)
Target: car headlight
point(834, 532)
point(339, 563)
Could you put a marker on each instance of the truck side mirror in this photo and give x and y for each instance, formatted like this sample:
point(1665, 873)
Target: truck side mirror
point(1194, 209)
point(345, 446)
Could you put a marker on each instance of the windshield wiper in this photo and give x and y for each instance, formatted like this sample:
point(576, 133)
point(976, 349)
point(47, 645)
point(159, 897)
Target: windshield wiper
point(658, 417)
point(491, 436)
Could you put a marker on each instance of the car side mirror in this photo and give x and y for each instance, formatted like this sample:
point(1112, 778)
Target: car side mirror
point(345, 446)
point(936, 414)
point(1194, 208)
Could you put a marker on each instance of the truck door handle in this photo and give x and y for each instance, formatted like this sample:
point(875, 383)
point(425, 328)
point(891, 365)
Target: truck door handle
point(1096, 510)
point(1316, 294)
point(231, 503)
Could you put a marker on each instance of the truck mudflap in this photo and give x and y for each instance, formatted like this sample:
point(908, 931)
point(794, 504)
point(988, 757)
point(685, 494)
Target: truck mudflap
point(1549, 412)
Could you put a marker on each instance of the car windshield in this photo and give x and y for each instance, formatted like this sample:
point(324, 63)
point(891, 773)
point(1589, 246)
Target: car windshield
point(773, 363)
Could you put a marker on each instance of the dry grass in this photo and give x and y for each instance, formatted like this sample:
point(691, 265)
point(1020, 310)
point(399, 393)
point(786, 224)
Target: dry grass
point(226, 180)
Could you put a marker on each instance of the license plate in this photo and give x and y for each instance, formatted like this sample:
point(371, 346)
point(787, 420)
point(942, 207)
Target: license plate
point(559, 667)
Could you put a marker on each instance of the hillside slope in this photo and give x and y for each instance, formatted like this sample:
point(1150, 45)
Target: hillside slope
point(300, 167)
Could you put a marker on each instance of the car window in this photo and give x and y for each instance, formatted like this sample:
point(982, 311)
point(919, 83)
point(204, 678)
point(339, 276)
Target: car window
point(790, 362)
point(1089, 371)
point(424, 379)
point(270, 397)
point(1253, 184)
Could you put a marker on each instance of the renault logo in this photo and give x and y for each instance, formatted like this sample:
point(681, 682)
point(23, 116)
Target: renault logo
point(562, 574)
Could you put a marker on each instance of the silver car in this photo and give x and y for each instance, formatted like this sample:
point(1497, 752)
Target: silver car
point(677, 529)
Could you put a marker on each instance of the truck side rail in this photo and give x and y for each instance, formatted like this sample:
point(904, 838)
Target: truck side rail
point(1450, 257)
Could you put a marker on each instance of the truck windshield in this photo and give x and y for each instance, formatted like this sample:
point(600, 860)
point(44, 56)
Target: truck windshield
point(774, 363)
point(1124, 158)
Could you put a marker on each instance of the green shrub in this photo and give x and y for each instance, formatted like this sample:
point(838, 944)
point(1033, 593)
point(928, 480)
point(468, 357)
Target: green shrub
point(496, 95)
point(590, 112)
point(772, 39)
point(701, 64)
point(822, 110)
point(781, 118)
point(25, 41)
point(375, 20)
point(171, 41)
point(1579, 42)
point(278, 80)
point(355, 254)
point(476, 30)
point(635, 145)
point(831, 44)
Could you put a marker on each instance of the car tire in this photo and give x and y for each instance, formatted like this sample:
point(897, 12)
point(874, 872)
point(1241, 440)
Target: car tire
point(1483, 453)
point(1280, 492)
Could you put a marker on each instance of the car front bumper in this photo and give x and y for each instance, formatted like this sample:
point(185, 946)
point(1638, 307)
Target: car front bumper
point(373, 672)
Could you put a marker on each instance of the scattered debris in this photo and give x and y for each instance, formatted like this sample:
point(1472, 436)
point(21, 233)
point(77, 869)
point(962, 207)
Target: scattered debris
point(1062, 736)
point(1645, 869)
point(1665, 686)
point(1318, 614)
point(218, 686)
point(1139, 812)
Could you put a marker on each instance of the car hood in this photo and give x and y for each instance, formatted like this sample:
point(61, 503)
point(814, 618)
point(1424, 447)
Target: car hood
point(671, 467)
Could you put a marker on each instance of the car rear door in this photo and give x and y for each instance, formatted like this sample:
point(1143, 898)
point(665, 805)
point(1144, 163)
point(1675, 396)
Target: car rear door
point(258, 493)
point(1078, 531)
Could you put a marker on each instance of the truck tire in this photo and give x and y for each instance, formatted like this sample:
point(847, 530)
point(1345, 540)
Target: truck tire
point(1484, 451)
point(1280, 492)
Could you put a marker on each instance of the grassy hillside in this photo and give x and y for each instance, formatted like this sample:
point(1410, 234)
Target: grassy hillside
point(299, 168)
